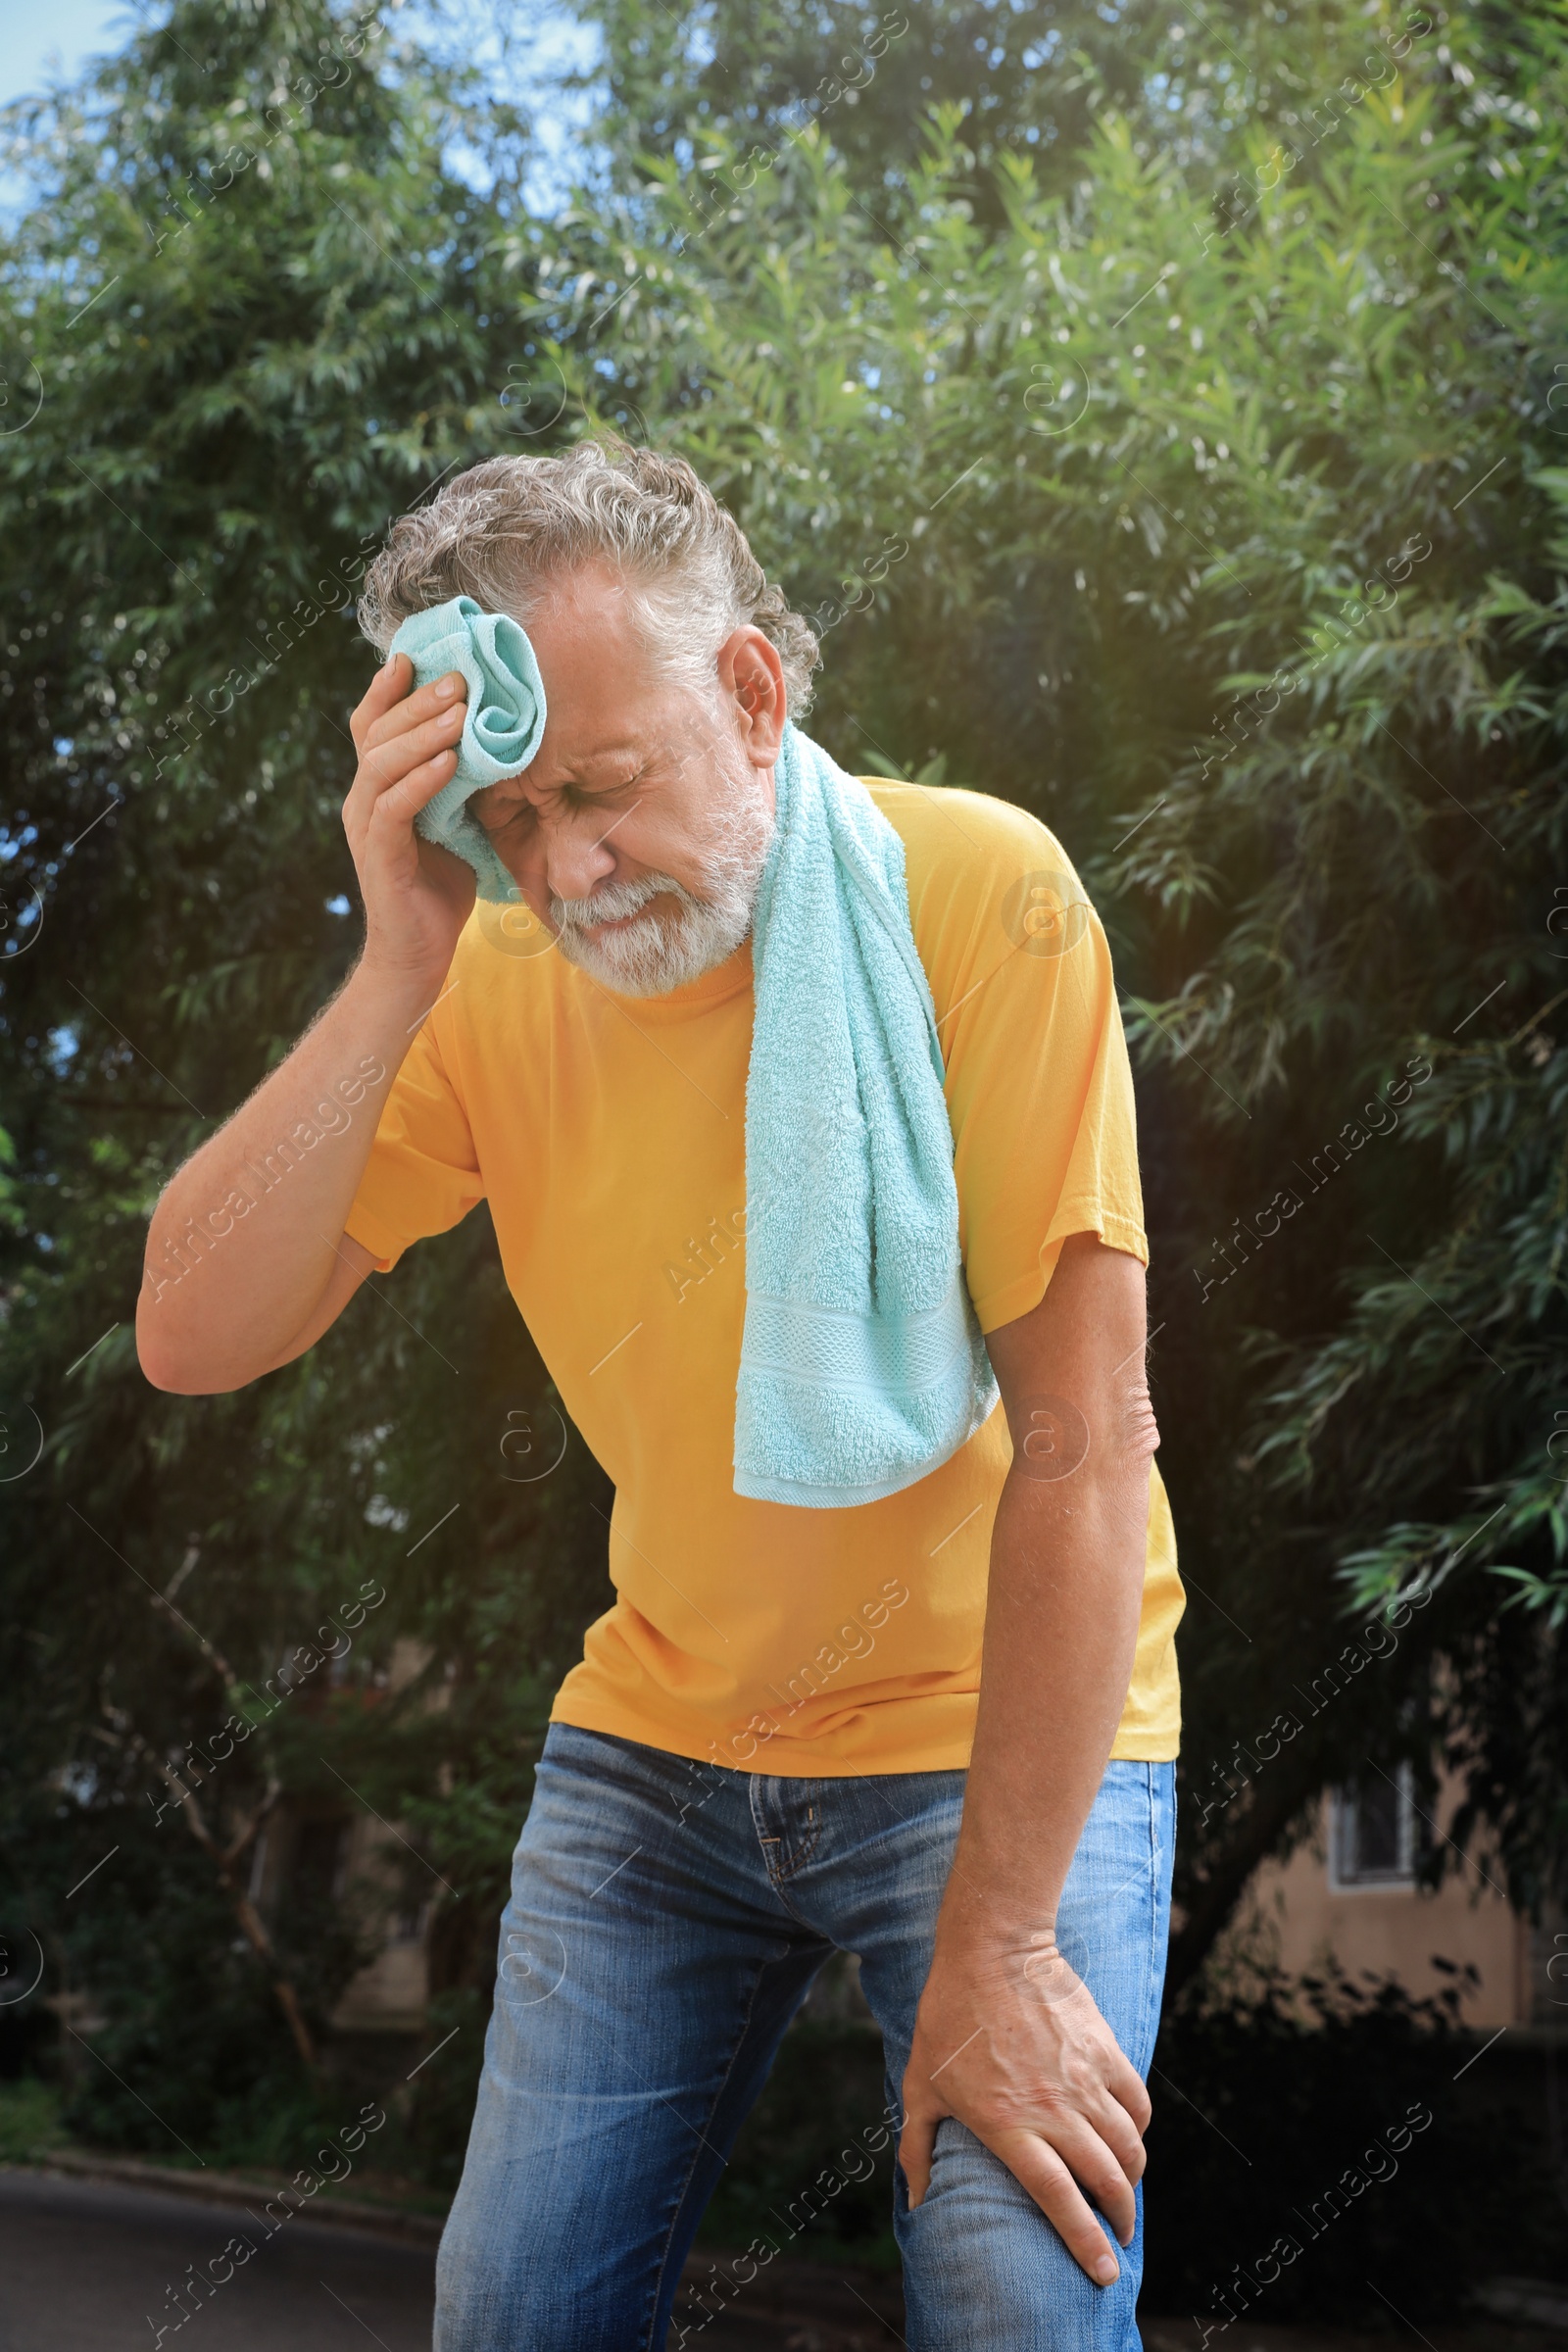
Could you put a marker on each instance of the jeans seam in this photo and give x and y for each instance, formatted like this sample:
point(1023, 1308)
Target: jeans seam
point(1155, 1971)
point(778, 1879)
point(800, 1861)
point(703, 2141)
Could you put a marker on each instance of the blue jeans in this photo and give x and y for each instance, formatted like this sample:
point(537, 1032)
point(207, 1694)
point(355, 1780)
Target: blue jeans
point(665, 1922)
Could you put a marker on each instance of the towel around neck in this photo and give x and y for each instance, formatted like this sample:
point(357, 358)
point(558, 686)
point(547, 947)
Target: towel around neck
point(863, 1367)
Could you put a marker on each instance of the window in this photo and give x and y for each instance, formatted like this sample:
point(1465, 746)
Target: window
point(1376, 1832)
point(320, 1849)
point(407, 1924)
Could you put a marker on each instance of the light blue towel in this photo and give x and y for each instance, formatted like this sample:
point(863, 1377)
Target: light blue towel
point(502, 729)
point(863, 1367)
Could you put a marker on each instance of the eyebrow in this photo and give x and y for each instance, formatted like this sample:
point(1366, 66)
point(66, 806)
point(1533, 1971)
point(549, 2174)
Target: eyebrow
point(615, 751)
point(628, 756)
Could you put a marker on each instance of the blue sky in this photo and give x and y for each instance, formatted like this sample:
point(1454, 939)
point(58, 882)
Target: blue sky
point(37, 34)
point(42, 38)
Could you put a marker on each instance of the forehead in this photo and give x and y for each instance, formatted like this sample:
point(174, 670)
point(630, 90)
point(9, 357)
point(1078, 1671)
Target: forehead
point(602, 692)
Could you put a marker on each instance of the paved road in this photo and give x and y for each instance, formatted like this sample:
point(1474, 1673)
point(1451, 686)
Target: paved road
point(85, 2267)
point(85, 2264)
point(88, 2266)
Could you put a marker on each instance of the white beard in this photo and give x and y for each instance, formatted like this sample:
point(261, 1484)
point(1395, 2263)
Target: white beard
point(666, 950)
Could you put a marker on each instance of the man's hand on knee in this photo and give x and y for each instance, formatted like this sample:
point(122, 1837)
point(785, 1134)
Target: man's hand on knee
point(1012, 2045)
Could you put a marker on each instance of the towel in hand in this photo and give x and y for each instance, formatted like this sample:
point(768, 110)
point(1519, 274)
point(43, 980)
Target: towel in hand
point(501, 729)
point(863, 1367)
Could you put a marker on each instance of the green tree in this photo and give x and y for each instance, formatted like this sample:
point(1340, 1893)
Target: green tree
point(250, 315)
point(1209, 507)
point(1188, 472)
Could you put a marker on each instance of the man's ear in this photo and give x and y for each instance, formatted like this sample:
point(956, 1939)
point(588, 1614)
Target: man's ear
point(750, 672)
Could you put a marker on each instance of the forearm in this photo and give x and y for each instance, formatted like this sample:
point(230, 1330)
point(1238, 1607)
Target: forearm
point(1008, 2036)
point(1061, 1626)
point(244, 1241)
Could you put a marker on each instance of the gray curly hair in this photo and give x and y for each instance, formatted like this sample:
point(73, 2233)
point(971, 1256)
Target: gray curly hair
point(503, 531)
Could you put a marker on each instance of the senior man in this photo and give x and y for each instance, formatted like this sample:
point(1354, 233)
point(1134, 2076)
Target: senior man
point(930, 1719)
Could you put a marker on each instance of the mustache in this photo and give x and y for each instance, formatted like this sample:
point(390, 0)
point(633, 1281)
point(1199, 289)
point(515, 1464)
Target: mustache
point(613, 901)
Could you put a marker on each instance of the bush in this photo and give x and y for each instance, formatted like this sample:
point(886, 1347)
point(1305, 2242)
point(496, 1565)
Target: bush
point(1263, 2108)
point(30, 2119)
point(1318, 2087)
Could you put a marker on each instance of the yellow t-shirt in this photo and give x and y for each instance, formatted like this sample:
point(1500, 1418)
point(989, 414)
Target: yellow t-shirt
point(609, 1134)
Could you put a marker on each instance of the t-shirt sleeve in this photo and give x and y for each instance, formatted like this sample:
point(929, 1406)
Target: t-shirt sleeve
point(422, 1175)
point(1039, 1087)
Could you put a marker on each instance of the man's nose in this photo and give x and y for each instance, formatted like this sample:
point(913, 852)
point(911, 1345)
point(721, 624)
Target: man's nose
point(577, 857)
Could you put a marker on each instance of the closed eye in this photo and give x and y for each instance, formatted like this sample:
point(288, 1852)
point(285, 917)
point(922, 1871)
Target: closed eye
point(604, 796)
point(500, 816)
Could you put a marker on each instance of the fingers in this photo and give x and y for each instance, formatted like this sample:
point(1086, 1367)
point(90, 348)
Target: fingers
point(397, 755)
point(388, 709)
point(401, 799)
point(1115, 2127)
point(1044, 2174)
point(1052, 2171)
point(1129, 2090)
point(388, 686)
point(1100, 2140)
point(407, 710)
point(398, 776)
point(916, 2145)
point(1095, 2168)
point(408, 746)
point(1127, 2153)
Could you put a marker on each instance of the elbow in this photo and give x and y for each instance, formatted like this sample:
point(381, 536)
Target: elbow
point(169, 1356)
point(169, 1368)
point(179, 1376)
point(176, 1362)
point(168, 1336)
point(1134, 1431)
point(158, 1348)
point(1056, 1441)
point(158, 1362)
point(175, 1381)
point(1125, 1459)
